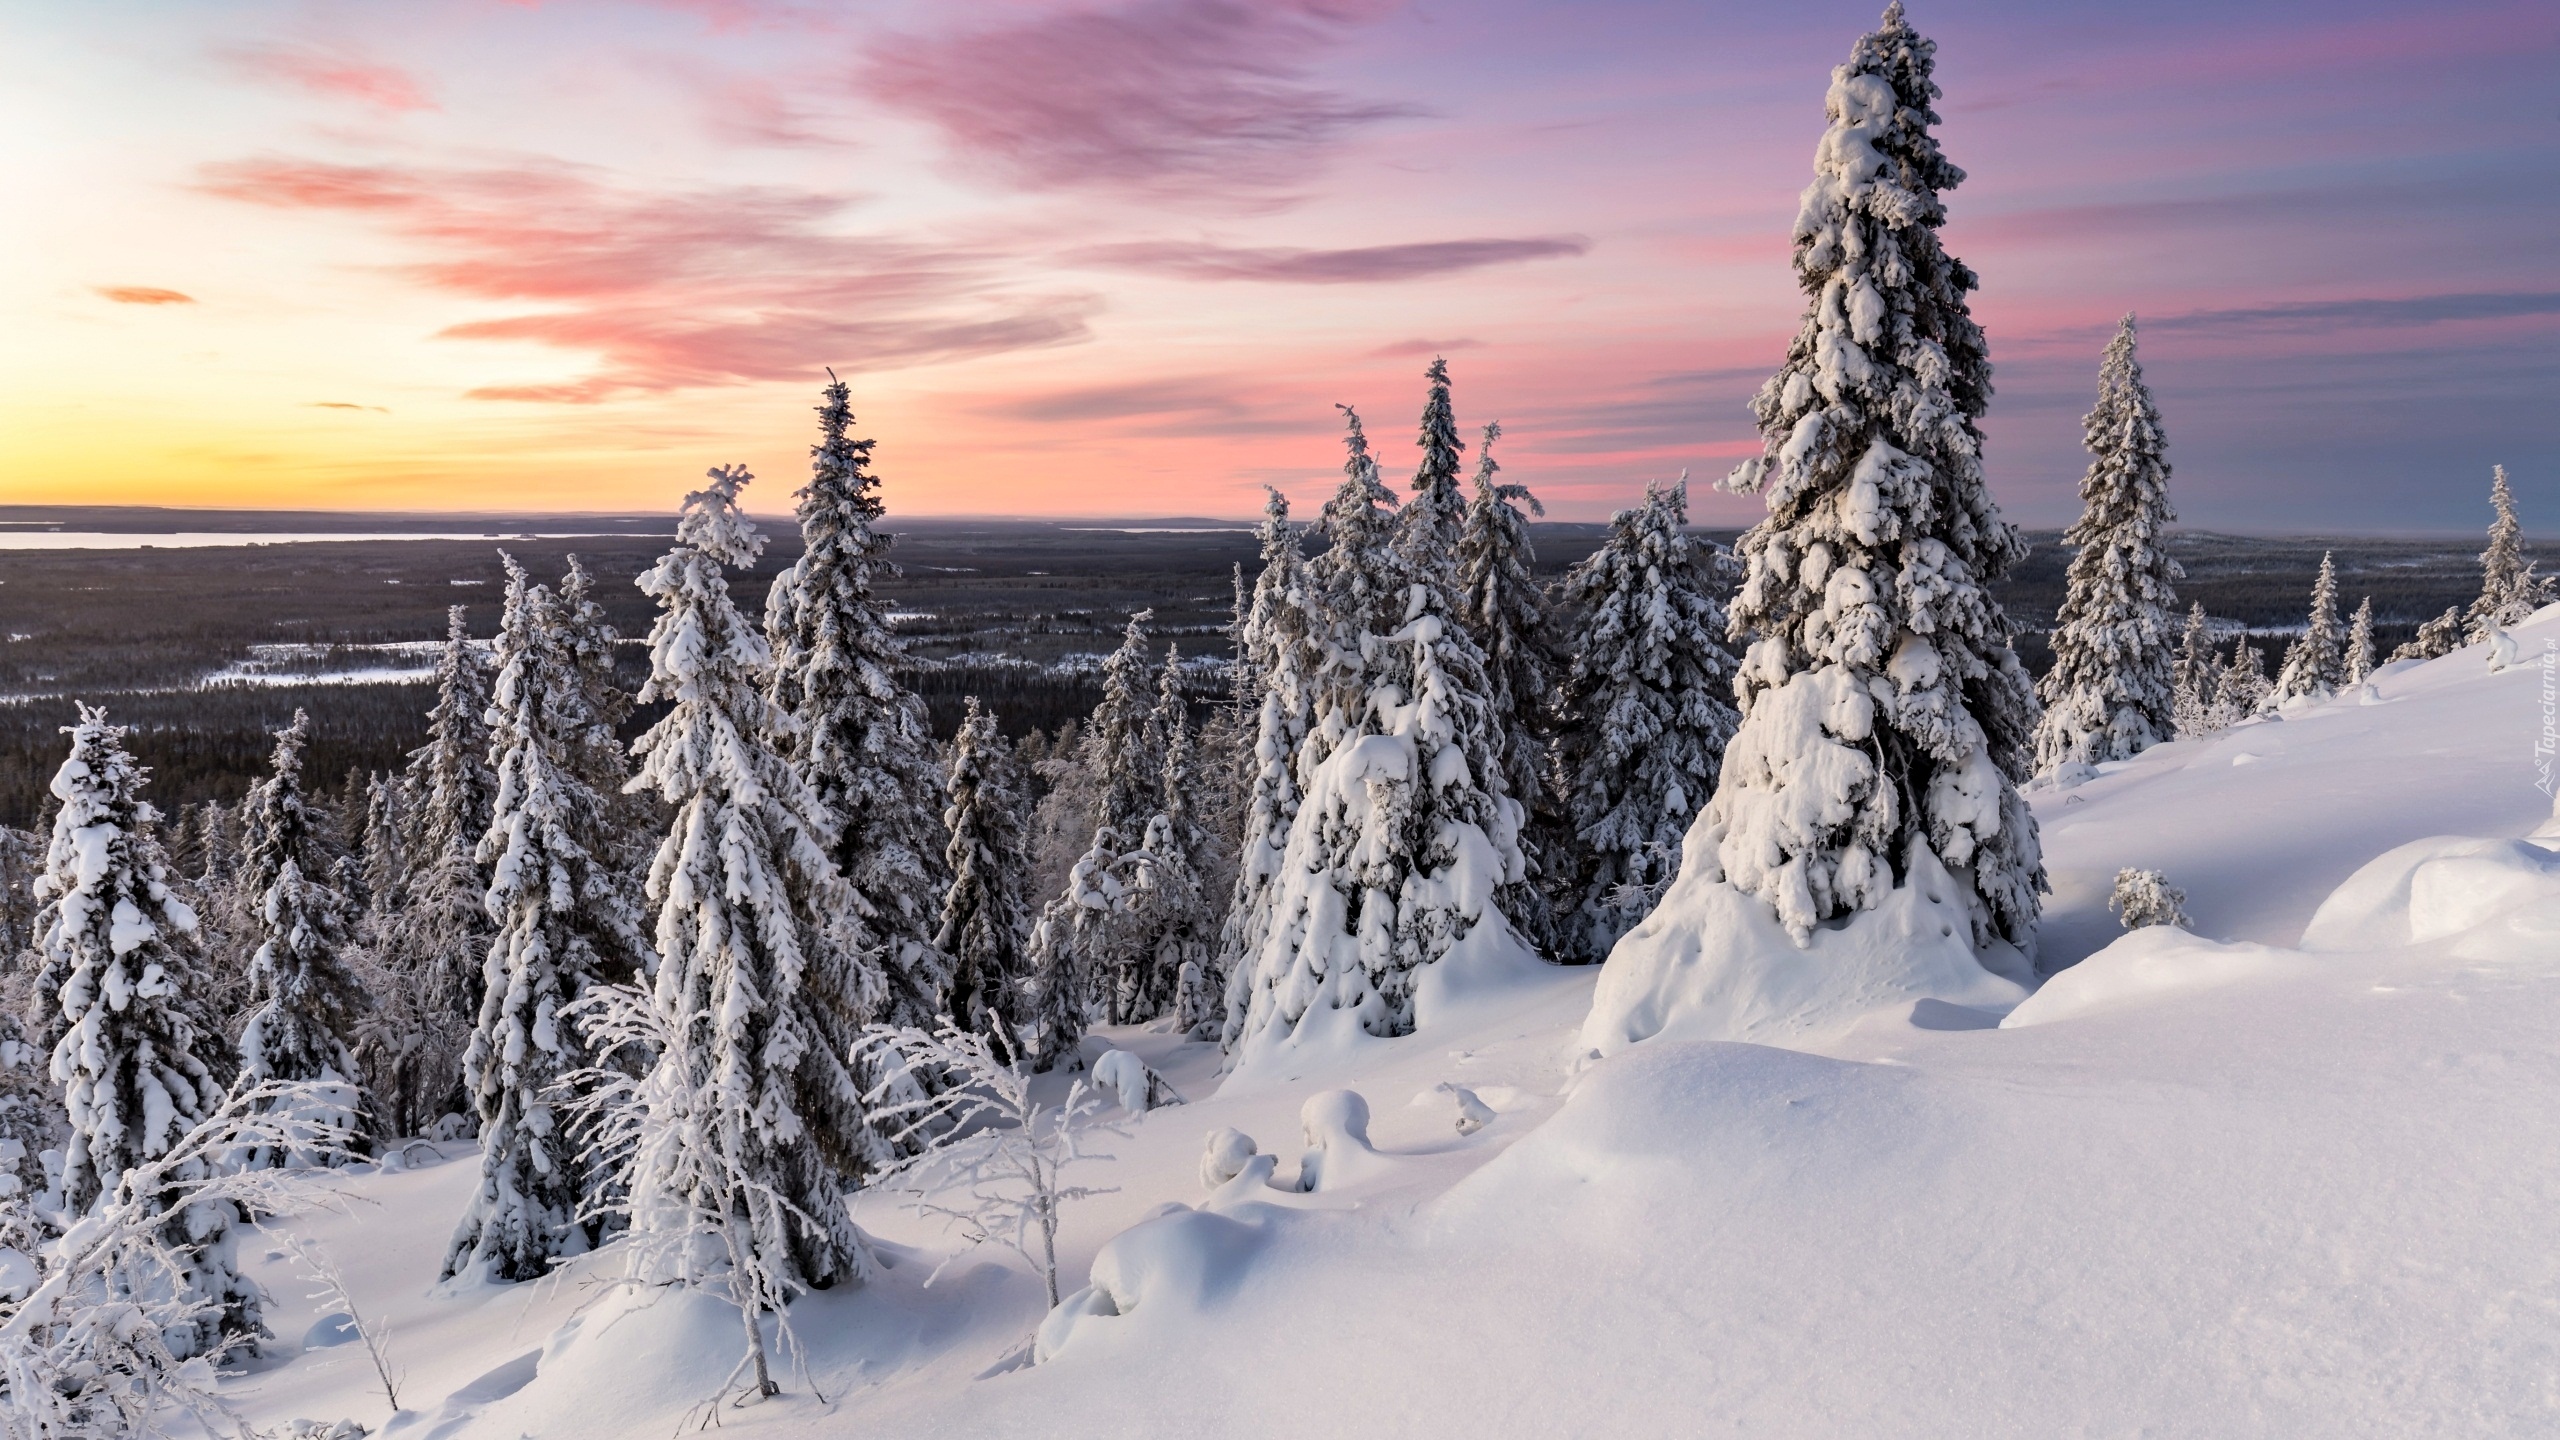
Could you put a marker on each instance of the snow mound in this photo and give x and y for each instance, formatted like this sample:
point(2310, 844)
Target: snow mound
point(2150, 963)
point(1338, 1149)
point(1713, 963)
point(1183, 1261)
point(2429, 889)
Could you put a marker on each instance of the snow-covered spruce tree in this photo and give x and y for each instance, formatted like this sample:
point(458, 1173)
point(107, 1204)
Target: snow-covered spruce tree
point(1434, 518)
point(1644, 721)
point(2316, 664)
point(2360, 651)
point(134, 1081)
point(1168, 907)
point(598, 755)
point(759, 970)
point(2197, 668)
point(983, 913)
point(2110, 694)
point(441, 935)
point(1505, 610)
point(1883, 708)
point(2241, 691)
point(1086, 954)
point(859, 734)
point(1273, 657)
point(1405, 834)
point(566, 921)
point(385, 850)
point(2509, 590)
point(2436, 638)
point(306, 997)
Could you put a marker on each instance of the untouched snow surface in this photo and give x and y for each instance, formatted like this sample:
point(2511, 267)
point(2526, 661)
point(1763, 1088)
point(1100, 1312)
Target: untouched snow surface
point(2227, 1184)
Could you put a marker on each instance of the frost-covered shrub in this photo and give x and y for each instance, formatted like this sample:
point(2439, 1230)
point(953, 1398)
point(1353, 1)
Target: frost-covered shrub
point(987, 1157)
point(2145, 897)
point(106, 1331)
point(2435, 639)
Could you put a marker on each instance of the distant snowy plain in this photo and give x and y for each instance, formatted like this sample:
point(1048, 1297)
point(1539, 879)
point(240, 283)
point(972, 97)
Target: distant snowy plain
point(2238, 1183)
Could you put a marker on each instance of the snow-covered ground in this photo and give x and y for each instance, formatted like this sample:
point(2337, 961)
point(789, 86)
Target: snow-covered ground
point(2192, 1188)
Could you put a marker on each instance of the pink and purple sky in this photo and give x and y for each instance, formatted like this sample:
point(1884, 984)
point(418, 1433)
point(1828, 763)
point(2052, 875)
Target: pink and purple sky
point(1121, 257)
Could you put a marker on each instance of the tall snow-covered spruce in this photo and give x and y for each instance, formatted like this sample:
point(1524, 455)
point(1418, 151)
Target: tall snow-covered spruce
point(2316, 664)
point(2111, 693)
point(1883, 708)
point(306, 997)
point(1272, 650)
point(2509, 590)
point(1644, 721)
point(441, 933)
point(983, 914)
point(754, 1113)
point(1886, 721)
point(1505, 610)
point(859, 734)
point(111, 949)
point(1086, 959)
point(1404, 834)
point(565, 921)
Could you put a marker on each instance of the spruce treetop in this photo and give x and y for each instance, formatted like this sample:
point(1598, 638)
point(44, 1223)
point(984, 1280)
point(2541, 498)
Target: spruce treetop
point(1432, 521)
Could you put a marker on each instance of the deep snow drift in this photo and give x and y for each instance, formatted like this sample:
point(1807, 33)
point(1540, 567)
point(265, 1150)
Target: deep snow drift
point(2248, 1182)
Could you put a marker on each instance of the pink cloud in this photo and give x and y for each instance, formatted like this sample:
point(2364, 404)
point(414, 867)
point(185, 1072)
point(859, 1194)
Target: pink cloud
point(1164, 96)
point(1198, 260)
point(336, 75)
point(144, 295)
point(671, 291)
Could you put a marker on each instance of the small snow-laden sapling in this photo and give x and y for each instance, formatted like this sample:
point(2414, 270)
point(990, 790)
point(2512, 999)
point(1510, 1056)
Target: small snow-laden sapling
point(330, 1289)
point(989, 1159)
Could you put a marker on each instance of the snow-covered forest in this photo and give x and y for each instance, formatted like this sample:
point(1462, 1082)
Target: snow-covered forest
point(1720, 988)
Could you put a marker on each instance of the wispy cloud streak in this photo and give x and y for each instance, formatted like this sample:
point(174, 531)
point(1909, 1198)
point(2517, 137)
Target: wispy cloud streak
point(672, 291)
point(1194, 96)
point(1361, 265)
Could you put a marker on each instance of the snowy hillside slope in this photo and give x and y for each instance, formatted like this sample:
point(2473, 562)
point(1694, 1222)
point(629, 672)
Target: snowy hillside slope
point(2192, 1188)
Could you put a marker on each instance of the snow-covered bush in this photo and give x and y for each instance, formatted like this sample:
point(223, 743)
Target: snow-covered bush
point(2435, 639)
point(1132, 1083)
point(2145, 897)
point(2111, 694)
point(988, 1158)
point(1883, 707)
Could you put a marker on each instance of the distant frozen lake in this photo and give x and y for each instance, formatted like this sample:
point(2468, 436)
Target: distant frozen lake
point(210, 539)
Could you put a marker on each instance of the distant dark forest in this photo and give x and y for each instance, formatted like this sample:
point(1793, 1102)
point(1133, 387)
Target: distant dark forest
point(996, 609)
